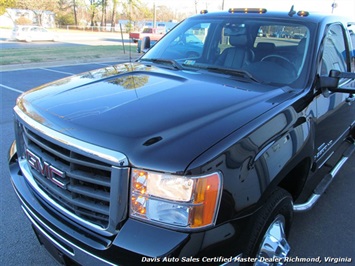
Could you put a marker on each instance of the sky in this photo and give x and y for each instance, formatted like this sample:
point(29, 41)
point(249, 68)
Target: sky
point(344, 7)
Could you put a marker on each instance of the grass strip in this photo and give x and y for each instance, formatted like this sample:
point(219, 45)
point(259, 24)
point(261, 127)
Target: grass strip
point(53, 54)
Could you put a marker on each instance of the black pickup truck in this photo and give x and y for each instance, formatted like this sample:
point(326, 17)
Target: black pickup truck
point(198, 152)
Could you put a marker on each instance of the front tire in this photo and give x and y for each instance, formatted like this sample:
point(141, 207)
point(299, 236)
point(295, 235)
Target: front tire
point(268, 239)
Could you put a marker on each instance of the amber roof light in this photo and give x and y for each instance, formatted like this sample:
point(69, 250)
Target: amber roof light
point(247, 10)
point(303, 13)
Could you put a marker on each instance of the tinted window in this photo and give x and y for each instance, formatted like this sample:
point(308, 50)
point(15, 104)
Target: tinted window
point(334, 55)
point(272, 52)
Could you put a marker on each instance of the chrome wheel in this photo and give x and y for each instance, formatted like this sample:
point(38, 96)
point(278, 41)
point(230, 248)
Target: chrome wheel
point(274, 247)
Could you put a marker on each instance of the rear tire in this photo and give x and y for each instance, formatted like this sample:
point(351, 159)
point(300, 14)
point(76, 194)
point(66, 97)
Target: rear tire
point(270, 228)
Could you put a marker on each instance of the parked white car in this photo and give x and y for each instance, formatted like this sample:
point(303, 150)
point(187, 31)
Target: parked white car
point(33, 33)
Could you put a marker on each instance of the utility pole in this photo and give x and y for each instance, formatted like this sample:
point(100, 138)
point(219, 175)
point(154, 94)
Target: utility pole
point(154, 15)
point(334, 5)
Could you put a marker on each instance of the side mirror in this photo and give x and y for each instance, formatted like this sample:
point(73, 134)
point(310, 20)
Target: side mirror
point(332, 82)
point(145, 44)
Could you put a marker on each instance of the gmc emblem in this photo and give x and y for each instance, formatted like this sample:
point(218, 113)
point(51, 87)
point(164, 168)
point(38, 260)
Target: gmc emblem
point(45, 169)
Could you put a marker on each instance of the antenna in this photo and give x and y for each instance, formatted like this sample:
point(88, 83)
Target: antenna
point(130, 29)
point(130, 50)
point(291, 12)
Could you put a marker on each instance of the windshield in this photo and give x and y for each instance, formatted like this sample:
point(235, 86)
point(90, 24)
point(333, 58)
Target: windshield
point(260, 49)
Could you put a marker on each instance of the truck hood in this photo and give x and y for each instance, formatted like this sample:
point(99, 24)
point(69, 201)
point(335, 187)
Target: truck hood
point(159, 118)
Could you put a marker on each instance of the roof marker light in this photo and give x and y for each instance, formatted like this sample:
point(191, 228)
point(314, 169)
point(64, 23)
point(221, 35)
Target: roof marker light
point(204, 11)
point(247, 10)
point(303, 13)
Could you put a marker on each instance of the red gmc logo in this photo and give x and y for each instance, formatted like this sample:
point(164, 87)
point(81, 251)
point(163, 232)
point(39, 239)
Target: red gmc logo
point(45, 169)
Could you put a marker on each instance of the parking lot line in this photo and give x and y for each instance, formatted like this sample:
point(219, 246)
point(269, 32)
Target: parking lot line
point(57, 71)
point(11, 89)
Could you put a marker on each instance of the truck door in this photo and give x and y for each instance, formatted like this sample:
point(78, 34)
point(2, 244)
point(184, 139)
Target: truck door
point(334, 113)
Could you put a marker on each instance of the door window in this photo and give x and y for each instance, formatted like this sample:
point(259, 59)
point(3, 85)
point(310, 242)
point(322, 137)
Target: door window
point(334, 54)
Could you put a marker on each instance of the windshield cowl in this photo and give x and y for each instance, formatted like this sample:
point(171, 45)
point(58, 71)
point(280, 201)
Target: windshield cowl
point(166, 62)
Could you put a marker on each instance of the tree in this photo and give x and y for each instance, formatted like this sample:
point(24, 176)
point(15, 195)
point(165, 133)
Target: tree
point(113, 15)
point(6, 4)
point(23, 21)
point(164, 13)
point(64, 14)
point(65, 19)
point(132, 10)
point(75, 14)
point(94, 4)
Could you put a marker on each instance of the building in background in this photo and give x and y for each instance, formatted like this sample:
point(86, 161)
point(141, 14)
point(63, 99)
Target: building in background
point(34, 17)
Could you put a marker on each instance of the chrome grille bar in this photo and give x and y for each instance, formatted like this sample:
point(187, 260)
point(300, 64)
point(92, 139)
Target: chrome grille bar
point(83, 189)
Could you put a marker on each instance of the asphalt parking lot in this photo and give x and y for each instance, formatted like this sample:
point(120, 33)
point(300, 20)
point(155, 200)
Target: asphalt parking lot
point(325, 231)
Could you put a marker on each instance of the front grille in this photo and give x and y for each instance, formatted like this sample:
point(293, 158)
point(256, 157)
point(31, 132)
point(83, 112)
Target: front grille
point(87, 193)
point(92, 189)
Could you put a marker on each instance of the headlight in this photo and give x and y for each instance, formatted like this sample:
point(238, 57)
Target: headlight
point(188, 202)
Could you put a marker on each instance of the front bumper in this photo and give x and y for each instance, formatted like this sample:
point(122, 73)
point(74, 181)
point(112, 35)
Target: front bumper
point(136, 242)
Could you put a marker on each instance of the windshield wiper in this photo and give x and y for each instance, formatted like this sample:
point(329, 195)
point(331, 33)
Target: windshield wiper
point(236, 72)
point(170, 62)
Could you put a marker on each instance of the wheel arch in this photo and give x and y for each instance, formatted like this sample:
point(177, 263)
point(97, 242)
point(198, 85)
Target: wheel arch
point(295, 179)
